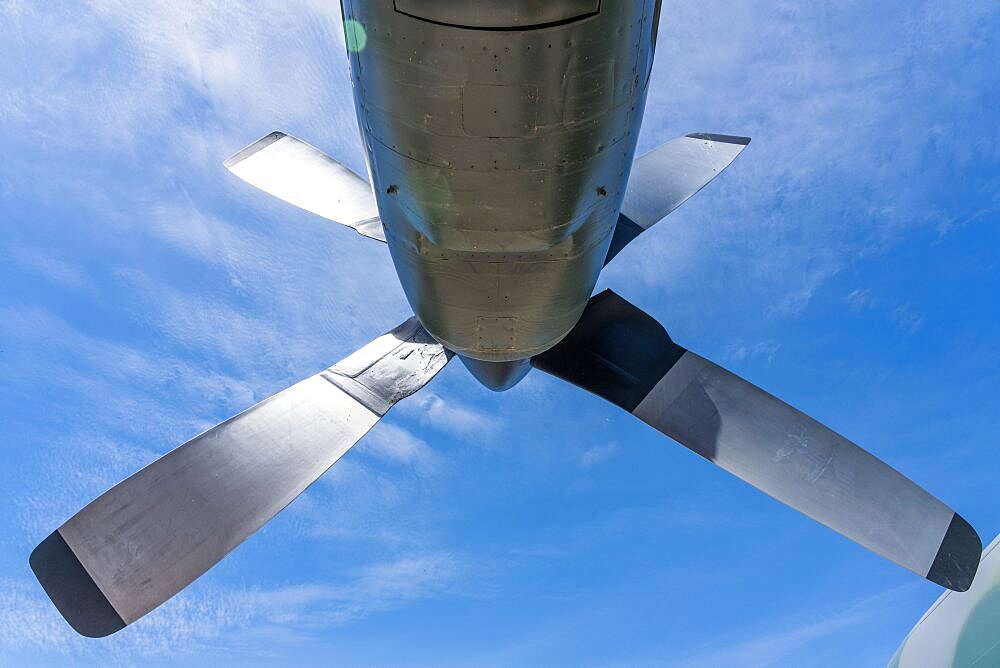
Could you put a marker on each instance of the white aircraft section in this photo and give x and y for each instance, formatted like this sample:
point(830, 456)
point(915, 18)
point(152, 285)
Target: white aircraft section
point(961, 629)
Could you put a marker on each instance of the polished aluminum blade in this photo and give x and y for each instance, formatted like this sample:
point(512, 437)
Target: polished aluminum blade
point(300, 174)
point(668, 176)
point(153, 534)
point(623, 355)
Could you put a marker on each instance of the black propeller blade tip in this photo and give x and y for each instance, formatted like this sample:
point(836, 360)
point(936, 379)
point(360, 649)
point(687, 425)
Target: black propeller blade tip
point(72, 590)
point(958, 557)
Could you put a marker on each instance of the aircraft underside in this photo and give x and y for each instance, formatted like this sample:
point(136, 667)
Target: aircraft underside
point(500, 156)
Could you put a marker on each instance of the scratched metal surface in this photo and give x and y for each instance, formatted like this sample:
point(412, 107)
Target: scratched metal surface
point(153, 534)
point(798, 461)
point(623, 355)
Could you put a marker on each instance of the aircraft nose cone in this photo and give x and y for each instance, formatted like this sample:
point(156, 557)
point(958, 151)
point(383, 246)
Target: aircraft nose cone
point(497, 376)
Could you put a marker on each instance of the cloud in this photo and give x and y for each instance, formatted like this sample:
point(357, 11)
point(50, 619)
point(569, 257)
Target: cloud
point(452, 416)
point(394, 444)
point(378, 494)
point(851, 142)
point(141, 165)
point(904, 316)
point(104, 372)
point(209, 49)
point(740, 350)
point(54, 270)
point(382, 586)
point(907, 318)
point(598, 454)
point(787, 643)
point(208, 621)
point(861, 300)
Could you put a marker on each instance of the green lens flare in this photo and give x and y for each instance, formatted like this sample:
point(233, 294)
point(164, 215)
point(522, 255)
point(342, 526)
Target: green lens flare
point(356, 36)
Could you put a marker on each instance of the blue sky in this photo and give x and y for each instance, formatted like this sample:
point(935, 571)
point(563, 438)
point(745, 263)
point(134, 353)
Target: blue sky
point(849, 262)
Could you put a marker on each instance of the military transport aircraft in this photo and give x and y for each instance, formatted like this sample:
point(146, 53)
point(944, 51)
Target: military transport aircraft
point(499, 137)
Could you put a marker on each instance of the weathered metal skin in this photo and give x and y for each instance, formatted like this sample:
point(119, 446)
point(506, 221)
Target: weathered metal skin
point(499, 140)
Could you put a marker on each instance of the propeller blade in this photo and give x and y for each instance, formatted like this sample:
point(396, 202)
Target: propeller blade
point(668, 176)
point(623, 355)
point(153, 534)
point(300, 174)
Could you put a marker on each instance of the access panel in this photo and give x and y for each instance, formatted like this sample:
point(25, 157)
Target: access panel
point(499, 14)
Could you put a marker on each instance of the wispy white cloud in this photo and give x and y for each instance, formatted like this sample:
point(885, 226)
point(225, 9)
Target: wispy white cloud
point(380, 494)
point(598, 454)
point(122, 420)
point(204, 622)
point(29, 622)
point(102, 370)
point(908, 319)
point(210, 49)
point(904, 315)
point(56, 271)
point(395, 444)
point(739, 350)
point(452, 416)
point(861, 300)
point(361, 491)
point(787, 643)
point(849, 142)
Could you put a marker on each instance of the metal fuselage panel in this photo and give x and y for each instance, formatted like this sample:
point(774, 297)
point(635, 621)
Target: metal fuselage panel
point(499, 155)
